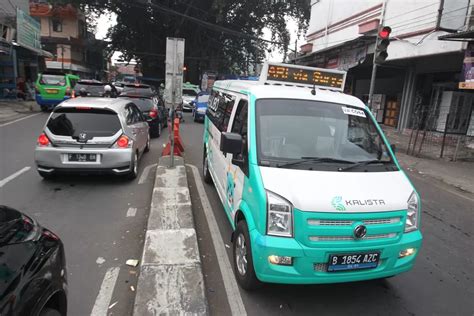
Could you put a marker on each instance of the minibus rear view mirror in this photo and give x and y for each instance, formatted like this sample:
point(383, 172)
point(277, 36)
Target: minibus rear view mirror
point(231, 143)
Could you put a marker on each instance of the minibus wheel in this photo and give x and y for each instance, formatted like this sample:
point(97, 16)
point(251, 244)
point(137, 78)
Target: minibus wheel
point(205, 168)
point(243, 261)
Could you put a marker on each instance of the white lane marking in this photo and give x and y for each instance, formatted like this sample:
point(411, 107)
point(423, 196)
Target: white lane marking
point(13, 176)
point(131, 212)
point(146, 173)
point(102, 301)
point(233, 294)
point(20, 119)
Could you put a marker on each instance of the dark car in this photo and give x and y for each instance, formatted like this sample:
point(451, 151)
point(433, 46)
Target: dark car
point(95, 88)
point(153, 114)
point(138, 89)
point(32, 267)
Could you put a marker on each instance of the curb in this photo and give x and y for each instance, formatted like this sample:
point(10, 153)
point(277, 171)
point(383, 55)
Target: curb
point(170, 280)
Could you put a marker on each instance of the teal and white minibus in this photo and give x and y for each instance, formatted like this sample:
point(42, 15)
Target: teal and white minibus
point(309, 182)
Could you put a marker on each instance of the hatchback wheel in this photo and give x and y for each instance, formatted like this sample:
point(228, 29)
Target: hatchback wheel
point(243, 261)
point(148, 145)
point(133, 173)
point(46, 175)
point(50, 312)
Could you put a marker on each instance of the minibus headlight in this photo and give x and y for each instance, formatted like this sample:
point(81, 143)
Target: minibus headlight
point(411, 223)
point(279, 216)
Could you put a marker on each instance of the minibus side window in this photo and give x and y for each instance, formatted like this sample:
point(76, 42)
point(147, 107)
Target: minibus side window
point(227, 106)
point(239, 126)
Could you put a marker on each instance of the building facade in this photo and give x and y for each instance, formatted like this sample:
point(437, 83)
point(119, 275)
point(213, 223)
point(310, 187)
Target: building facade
point(21, 53)
point(419, 82)
point(64, 33)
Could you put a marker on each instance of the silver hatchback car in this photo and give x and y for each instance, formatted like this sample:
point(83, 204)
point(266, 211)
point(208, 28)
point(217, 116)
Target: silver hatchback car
point(93, 135)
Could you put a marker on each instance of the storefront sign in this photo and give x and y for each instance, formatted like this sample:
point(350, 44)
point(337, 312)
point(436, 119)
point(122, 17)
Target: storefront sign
point(28, 31)
point(468, 69)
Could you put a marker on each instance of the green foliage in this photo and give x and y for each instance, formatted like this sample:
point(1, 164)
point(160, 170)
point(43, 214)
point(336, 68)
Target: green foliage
point(142, 29)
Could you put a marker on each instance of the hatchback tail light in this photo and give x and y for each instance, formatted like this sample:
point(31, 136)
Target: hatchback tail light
point(123, 142)
point(43, 140)
point(37, 90)
point(153, 113)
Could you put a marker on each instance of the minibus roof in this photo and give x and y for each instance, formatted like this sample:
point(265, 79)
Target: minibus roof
point(284, 91)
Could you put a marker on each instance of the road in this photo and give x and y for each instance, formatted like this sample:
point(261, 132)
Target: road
point(441, 283)
point(101, 219)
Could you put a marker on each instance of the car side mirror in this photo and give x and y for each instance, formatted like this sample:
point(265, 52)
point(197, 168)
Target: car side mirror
point(393, 147)
point(231, 143)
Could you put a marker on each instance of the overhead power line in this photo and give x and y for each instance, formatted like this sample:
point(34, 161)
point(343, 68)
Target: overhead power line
point(206, 24)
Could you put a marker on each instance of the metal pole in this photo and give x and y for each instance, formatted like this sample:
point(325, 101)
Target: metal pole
point(374, 65)
point(444, 136)
point(62, 58)
point(173, 100)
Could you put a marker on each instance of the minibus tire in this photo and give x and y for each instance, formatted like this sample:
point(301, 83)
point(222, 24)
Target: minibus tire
point(248, 281)
point(205, 168)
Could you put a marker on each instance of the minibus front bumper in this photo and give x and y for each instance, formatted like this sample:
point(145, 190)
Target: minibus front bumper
point(309, 265)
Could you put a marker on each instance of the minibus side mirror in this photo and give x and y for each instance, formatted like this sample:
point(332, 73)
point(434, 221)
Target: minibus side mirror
point(231, 143)
point(393, 147)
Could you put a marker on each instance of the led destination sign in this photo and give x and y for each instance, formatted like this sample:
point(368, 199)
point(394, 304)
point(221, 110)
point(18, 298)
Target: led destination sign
point(305, 75)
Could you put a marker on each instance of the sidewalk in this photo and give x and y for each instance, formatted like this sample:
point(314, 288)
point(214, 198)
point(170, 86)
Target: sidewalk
point(459, 174)
point(14, 109)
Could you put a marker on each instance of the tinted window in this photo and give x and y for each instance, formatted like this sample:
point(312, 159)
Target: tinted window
point(220, 109)
point(95, 122)
point(144, 105)
point(190, 92)
point(14, 227)
point(53, 80)
point(93, 89)
point(239, 126)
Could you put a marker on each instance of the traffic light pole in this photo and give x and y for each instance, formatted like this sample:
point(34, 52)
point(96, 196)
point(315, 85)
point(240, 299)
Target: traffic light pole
point(374, 64)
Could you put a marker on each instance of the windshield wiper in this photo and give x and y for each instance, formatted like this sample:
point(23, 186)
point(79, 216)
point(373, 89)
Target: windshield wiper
point(313, 159)
point(363, 163)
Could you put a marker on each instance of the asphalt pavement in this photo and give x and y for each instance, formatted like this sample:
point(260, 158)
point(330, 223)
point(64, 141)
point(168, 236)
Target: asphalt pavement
point(101, 219)
point(441, 283)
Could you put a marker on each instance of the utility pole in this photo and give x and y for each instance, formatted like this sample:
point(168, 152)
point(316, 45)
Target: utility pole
point(374, 65)
point(62, 57)
point(296, 51)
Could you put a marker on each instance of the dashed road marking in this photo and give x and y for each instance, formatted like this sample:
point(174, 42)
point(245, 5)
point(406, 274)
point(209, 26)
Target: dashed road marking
point(102, 301)
point(18, 120)
point(233, 294)
point(146, 173)
point(132, 211)
point(13, 176)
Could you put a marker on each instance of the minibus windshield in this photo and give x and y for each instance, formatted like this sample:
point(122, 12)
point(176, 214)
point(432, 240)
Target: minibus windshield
point(313, 132)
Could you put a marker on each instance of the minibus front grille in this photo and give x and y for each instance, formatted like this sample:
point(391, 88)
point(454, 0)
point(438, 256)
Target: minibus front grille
point(350, 238)
point(326, 222)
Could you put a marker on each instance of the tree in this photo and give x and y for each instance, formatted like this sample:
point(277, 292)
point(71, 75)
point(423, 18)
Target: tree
point(221, 35)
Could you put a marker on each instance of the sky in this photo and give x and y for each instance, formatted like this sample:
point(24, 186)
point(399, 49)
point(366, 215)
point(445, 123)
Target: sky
point(105, 21)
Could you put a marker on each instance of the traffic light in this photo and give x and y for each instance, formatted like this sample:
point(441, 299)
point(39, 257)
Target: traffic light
point(382, 44)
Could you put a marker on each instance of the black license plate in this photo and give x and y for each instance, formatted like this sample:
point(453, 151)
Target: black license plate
point(357, 261)
point(82, 157)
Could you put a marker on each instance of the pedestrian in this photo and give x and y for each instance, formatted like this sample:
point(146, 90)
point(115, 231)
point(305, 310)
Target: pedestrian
point(21, 89)
point(30, 89)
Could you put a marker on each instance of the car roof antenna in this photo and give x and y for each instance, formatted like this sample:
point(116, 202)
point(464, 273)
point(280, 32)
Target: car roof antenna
point(313, 91)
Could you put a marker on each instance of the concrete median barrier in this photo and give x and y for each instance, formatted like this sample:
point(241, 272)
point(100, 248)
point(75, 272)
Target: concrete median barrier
point(171, 280)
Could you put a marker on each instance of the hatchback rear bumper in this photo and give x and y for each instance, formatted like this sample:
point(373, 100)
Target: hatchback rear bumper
point(110, 160)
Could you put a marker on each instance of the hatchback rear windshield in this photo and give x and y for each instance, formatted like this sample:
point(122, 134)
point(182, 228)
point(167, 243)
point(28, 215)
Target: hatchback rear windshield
point(144, 105)
point(94, 88)
point(93, 122)
point(53, 80)
point(190, 92)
